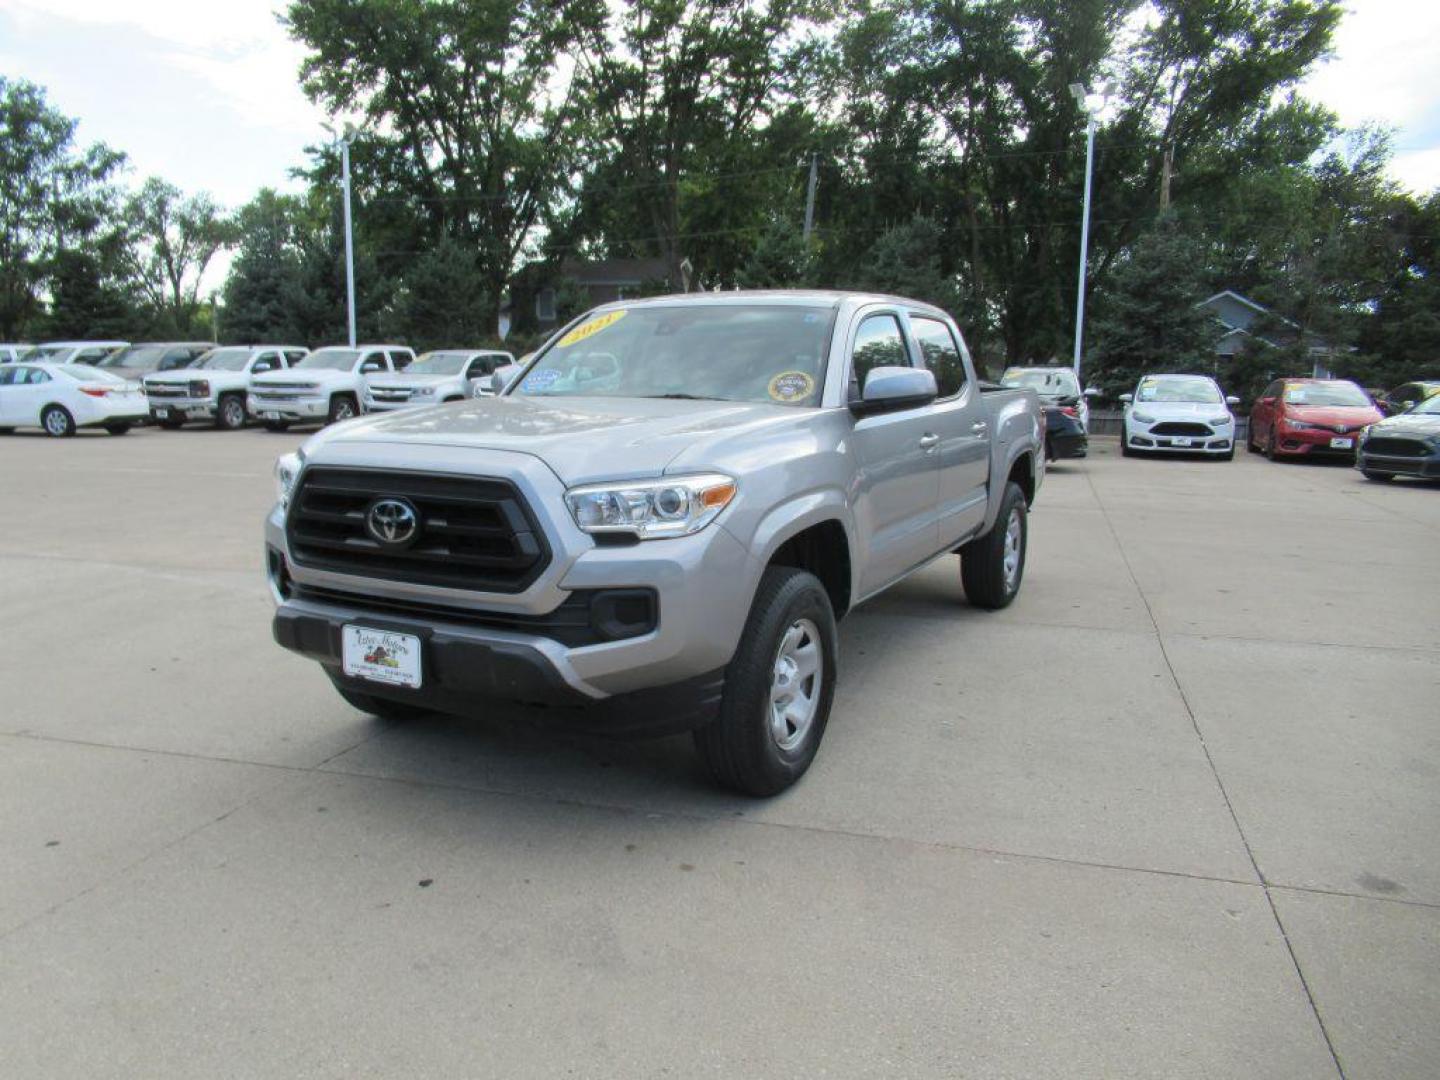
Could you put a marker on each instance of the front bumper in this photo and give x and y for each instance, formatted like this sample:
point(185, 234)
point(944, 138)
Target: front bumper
point(172, 408)
point(313, 407)
point(702, 586)
point(381, 405)
point(1322, 442)
point(1427, 467)
point(1220, 440)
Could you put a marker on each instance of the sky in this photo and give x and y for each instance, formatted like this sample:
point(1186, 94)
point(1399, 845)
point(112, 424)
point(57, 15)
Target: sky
point(206, 94)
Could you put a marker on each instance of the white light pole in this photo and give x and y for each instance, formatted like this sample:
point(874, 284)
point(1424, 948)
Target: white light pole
point(343, 141)
point(1091, 105)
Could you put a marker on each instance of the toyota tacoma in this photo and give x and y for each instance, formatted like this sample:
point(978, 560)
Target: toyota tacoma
point(656, 522)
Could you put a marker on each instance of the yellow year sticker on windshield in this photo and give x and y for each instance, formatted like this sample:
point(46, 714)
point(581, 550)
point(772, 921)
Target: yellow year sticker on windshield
point(589, 328)
point(791, 386)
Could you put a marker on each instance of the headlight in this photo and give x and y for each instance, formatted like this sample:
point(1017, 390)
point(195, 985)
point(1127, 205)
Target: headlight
point(651, 509)
point(287, 470)
point(1219, 421)
point(1142, 418)
point(424, 391)
point(1299, 425)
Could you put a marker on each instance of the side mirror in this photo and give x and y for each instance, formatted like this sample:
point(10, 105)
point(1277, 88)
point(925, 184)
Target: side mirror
point(369, 367)
point(1407, 405)
point(1232, 400)
point(503, 377)
point(1126, 399)
point(890, 388)
point(1266, 401)
point(1092, 391)
point(263, 365)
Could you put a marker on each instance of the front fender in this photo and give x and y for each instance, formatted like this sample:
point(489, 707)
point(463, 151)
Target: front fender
point(781, 523)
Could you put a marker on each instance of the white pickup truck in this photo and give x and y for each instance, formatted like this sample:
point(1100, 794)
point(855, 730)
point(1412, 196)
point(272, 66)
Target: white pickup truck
point(439, 376)
point(215, 386)
point(328, 385)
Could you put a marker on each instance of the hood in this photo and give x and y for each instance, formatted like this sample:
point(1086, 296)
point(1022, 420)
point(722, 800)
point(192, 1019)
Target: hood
point(581, 439)
point(1334, 415)
point(1409, 424)
point(318, 376)
point(402, 381)
point(1181, 410)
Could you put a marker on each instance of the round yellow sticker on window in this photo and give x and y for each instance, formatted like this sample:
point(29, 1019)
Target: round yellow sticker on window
point(791, 386)
point(589, 327)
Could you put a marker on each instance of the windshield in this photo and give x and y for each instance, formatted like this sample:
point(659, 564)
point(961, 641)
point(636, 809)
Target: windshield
point(88, 373)
point(329, 360)
point(45, 352)
point(1047, 382)
point(1326, 393)
point(223, 360)
point(1167, 388)
point(726, 352)
point(439, 363)
point(143, 357)
point(1429, 407)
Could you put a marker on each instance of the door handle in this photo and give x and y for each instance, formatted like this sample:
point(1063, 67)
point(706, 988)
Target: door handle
point(929, 441)
point(980, 427)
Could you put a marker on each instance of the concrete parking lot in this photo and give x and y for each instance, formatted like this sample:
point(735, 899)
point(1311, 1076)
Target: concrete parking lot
point(1175, 813)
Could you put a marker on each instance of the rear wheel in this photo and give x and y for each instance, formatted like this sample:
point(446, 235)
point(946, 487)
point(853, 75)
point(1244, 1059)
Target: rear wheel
point(992, 566)
point(1373, 474)
point(778, 688)
point(117, 429)
point(57, 421)
point(231, 413)
point(381, 707)
point(342, 407)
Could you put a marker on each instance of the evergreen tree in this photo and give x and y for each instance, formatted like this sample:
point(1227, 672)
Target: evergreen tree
point(907, 261)
point(780, 259)
point(1148, 320)
point(264, 277)
point(442, 300)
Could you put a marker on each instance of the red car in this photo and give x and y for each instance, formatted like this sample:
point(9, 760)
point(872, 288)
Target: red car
point(1304, 417)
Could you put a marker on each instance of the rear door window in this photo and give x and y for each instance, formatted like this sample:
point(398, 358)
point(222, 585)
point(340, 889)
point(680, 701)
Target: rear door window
point(941, 353)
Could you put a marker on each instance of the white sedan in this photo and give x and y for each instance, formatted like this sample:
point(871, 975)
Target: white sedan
point(62, 397)
point(1178, 413)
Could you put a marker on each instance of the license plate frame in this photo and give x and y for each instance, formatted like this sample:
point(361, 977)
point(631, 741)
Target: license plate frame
point(1342, 444)
point(162, 414)
point(1181, 441)
point(381, 656)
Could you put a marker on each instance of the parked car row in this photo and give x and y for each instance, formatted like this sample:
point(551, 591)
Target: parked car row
point(174, 383)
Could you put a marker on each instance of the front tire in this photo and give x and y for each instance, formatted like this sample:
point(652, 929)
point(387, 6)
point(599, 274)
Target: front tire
point(57, 421)
point(230, 416)
point(1125, 450)
point(342, 407)
point(778, 688)
point(992, 566)
point(1270, 452)
point(1381, 477)
point(117, 429)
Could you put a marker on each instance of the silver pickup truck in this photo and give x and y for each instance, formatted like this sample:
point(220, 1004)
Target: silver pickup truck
point(659, 519)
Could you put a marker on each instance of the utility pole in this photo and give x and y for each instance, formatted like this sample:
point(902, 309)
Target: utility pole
point(1166, 169)
point(810, 199)
point(349, 238)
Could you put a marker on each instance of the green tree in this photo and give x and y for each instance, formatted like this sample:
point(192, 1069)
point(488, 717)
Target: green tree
point(1148, 320)
point(779, 259)
point(51, 195)
point(474, 94)
point(264, 278)
point(906, 261)
point(174, 239)
point(441, 300)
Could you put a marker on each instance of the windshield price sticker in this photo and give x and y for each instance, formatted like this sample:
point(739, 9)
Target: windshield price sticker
point(588, 329)
point(791, 386)
point(542, 379)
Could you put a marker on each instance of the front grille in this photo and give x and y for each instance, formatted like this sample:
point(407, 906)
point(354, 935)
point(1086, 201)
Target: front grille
point(270, 396)
point(390, 395)
point(1177, 428)
point(168, 390)
point(585, 617)
point(474, 533)
point(1390, 444)
point(260, 388)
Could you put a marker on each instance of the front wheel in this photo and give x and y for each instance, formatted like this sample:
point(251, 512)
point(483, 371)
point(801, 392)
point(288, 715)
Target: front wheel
point(1125, 450)
point(778, 688)
point(230, 416)
point(1373, 474)
point(992, 566)
point(342, 407)
point(1270, 446)
point(117, 429)
point(57, 421)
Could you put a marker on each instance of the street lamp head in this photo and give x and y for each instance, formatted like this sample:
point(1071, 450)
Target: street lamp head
point(1079, 92)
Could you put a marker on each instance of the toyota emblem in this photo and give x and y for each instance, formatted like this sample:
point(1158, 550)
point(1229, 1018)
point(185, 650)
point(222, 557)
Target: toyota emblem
point(392, 521)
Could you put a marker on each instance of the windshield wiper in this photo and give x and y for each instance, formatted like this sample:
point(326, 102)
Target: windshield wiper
point(682, 397)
